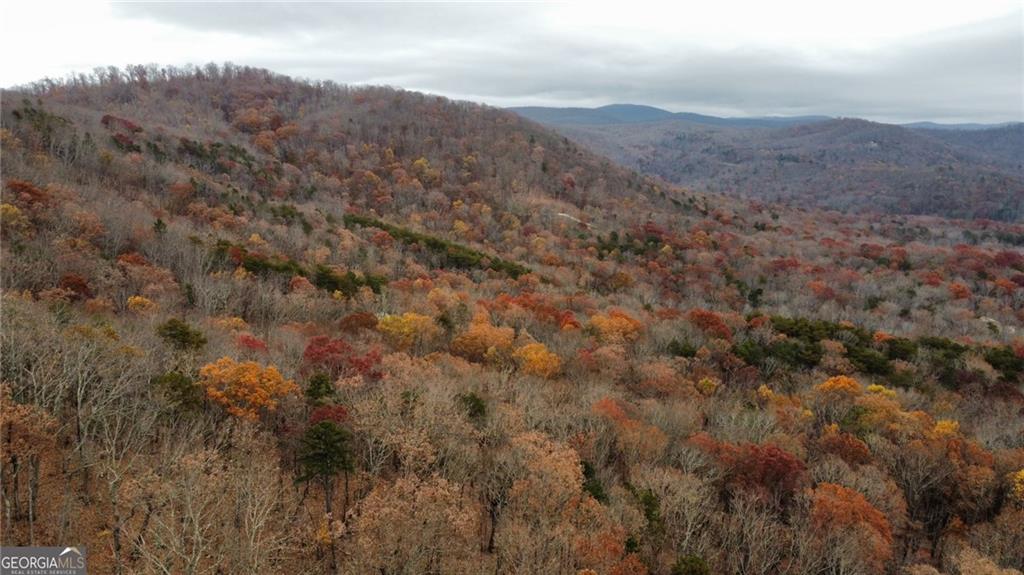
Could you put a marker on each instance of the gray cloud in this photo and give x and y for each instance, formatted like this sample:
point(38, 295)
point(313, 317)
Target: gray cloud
point(511, 55)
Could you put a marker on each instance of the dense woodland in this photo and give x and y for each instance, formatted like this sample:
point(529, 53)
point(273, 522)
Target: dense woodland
point(842, 164)
point(258, 325)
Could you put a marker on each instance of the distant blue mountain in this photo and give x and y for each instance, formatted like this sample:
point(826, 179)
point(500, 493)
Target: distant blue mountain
point(638, 114)
point(627, 113)
point(967, 126)
point(613, 114)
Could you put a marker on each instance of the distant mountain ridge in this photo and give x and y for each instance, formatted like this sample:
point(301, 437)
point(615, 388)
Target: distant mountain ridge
point(639, 113)
point(961, 127)
point(635, 113)
point(847, 164)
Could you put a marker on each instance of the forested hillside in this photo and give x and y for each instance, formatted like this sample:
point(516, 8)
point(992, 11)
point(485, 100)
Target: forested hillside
point(844, 164)
point(258, 325)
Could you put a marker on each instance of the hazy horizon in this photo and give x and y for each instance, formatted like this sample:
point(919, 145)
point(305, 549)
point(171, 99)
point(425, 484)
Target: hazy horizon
point(288, 288)
point(739, 117)
point(903, 63)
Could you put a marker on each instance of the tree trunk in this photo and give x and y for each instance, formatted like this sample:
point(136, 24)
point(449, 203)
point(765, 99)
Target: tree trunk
point(328, 505)
point(116, 531)
point(65, 510)
point(344, 509)
point(15, 495)
point(144, 527)
point(8, 516)
point(33, 492)
point(81, 455)
point(492, 511)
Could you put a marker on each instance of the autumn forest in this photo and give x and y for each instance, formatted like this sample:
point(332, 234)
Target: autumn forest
point(254, 324)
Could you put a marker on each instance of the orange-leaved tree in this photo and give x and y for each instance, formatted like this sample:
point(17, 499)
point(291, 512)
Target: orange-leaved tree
point(482, 340)
point(845, 520)
point(833, 398)
point(616, 326)
point(246, 388)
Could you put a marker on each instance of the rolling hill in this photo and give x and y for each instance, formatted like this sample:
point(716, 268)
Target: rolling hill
point(252, 324)
point(846, 164)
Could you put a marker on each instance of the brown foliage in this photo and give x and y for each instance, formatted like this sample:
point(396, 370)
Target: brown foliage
point(835, 508)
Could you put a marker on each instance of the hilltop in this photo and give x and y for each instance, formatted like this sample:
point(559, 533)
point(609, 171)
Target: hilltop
point(253, 324)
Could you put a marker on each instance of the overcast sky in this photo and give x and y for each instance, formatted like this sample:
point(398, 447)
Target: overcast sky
point(888, 60)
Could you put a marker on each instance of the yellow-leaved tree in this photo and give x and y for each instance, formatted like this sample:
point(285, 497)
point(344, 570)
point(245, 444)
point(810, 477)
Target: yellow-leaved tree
point(535, 359)
point(1017, 487)
point(408, 329)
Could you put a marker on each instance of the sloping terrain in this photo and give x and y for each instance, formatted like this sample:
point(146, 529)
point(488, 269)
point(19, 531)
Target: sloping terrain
point(1003, 145)
point(846, 164)
point(257, 325)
